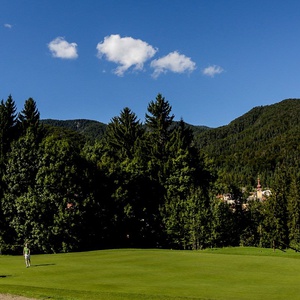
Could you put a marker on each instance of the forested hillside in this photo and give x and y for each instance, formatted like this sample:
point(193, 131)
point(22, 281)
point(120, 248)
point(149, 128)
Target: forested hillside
point(95, 130)
point(256, 143)
point(89, 128)
point(68, 185)
point(250, 146)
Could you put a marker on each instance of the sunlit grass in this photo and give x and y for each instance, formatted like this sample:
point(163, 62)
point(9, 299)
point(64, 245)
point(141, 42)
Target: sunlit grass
point(229, 273)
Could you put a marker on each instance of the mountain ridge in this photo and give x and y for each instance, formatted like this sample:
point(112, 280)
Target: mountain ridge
point(95, 129)
point(253, 144)
point(257, 142)
point(81, 124)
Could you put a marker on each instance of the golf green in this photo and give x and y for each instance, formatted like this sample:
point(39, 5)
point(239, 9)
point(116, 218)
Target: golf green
point(229, 273)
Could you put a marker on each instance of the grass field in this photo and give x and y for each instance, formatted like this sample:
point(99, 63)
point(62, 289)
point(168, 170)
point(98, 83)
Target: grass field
point(229, 273)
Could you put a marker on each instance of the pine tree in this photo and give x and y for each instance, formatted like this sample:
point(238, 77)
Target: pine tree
point(8, 123)
point(294, 213)
point(123, 132)
point(158, 122)
point(29, 118)
point(8, 134)
point(187, 220)
point(274, 226)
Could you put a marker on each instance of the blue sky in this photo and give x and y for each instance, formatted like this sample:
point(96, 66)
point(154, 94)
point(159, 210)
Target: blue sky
point(212, 60)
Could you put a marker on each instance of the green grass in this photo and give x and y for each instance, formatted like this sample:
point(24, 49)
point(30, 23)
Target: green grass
point(229, 273)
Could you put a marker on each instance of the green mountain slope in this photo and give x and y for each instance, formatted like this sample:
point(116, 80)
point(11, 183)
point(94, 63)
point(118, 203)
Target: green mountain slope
point(94, 129)
point(252, 145)
point(88, 128)
point(257, 142)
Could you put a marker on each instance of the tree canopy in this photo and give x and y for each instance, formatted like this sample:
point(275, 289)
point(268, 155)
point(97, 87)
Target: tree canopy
point(151, 184)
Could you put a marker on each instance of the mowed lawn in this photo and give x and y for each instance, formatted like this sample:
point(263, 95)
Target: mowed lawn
point(229, 273)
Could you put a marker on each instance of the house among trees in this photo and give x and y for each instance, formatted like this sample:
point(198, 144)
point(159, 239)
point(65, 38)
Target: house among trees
point(259, 194)
point(227, 198)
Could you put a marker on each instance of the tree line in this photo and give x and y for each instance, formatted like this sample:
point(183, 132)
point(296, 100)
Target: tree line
point(142, 185)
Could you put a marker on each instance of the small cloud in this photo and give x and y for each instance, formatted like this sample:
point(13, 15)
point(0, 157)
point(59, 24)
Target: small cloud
point(211, 71)
point(174, 62)
point(60, 48)
point(8, 25)
point(126, 52)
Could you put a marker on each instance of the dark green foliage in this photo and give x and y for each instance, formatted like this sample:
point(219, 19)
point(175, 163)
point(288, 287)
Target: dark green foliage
point(92, 130)
point(294, 212)
point(251, 234)
point(223, 225)
point(8, 133)
point(186, 206)
point(8, 121)
point(187, 220)
point(158, 123)
point(79, 184)
point(135, 187)
point(123, 133)
point(29, 118)
point(256, 143)
point(275, 213)
point(19, 179)
point(64, 133)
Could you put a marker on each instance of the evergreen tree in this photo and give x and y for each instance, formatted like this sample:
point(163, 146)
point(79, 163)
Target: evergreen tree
point(29, 118)
point(99, 210)
point(19, 179)
point(223, 227)
point(132, 190)
point(7, 135)
point(251, 234)
point(123, 132)
point(158, 122)
point(294, 213)
point(187, 221)
point(274, 227)
point(186, 202)
point(8, 123)
point(60, 183)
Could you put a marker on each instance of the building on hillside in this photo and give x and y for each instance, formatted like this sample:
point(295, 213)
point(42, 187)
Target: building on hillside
point(259, 194)
point(259, 190)
point(227, 198)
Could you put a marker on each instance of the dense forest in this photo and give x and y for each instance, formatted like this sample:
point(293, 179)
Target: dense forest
point(82, 185)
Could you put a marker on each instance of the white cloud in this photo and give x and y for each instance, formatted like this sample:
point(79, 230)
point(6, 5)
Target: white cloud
point(211, 71)
point(60, 48)
point(174, 62)
point(126, 52)
point(8, 25)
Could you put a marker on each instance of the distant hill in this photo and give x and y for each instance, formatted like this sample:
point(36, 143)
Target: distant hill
point(249, 146)
point(94, 129)
point(88, 128)
point(257, 142)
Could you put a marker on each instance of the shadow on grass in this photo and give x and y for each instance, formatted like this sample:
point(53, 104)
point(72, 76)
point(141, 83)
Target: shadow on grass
point(42, 265)
point(4, 276)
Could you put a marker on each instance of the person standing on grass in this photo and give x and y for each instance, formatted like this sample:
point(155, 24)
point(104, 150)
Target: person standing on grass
point(26, 253)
